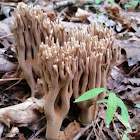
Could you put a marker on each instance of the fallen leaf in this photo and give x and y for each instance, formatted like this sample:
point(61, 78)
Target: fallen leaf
point(50, 12)
point(5, 65)
point(1, 129)
point(132, 51)
point(70, 131)
point(136, 134)
point(101, 19)
point(13, 132)
point(82, 15)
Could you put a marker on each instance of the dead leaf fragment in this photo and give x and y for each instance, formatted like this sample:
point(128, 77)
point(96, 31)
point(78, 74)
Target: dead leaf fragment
point(1, 129)
point(50, 12)
point(113, 11)
point(70, 131)
point(13, 132)
point(82, 14)
point(132, 51)
point(132, 81)
point(5, 65)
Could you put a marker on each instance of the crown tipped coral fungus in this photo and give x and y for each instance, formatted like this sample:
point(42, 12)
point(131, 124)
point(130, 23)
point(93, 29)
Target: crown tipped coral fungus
point(68, 61)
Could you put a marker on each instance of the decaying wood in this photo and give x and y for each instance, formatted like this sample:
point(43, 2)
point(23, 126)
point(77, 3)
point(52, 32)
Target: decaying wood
point(22, 114)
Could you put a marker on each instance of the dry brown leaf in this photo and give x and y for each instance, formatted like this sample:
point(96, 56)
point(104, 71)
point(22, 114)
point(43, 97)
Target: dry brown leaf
point(13, 132)
point(1, 129)
point(70, 131)
point(6, 37)
point(50, 13)
point(114, 13)
point(82, 15)
point(132, 51)
point(132, 81)
point(22, 138)
point(136, 134)
point(5, 65)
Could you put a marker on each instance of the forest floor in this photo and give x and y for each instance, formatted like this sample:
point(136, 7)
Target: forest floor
point(123, 17)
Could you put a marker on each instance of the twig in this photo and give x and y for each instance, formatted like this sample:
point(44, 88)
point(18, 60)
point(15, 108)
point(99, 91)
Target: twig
point(10, 79)
point(37, 133)
point(101, 127)
point(10, 4)
point(95, 132)
point(82, 131)
point(41, 119)
point(91, 131)
point(67, 3)
point(6, 36)
point(14, 84)
point(116, 130)
point(62, 12)
point(135, 68)
point(101, 131)
point(60, 4)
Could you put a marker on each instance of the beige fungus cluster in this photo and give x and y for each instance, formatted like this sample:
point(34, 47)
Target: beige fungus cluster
point(69, 61)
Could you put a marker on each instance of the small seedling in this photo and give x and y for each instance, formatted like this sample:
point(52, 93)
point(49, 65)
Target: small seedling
point(112, 103)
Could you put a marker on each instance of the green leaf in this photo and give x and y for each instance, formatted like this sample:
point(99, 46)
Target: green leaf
point(90, 6)
point(120, 118)
point(128, 6)
point(104, 25)
point(102, 13)
point(102, 101)
point(124, 111)
point(111, 107)
point(134, 3)
point(111, 1)
point(90, 94)
point(125, 137)
point(97, 1)
point(128, 130)
point(137, 105)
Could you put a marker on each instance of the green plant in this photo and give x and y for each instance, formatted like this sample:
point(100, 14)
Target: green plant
point(99, 1)
point(131, 4)
point(137, 105)
point(112, 103)
point(96, 9)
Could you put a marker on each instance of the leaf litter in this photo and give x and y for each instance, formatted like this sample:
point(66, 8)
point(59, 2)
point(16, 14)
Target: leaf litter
point(124, 79)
